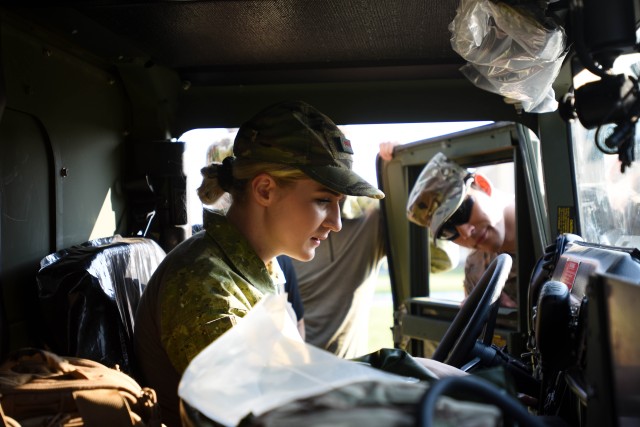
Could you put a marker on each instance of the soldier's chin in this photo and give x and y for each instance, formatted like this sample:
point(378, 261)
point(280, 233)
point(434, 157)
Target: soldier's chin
point(305, 256)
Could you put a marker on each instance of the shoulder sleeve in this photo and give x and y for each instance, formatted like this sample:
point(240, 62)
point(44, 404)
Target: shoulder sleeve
point(199, 303)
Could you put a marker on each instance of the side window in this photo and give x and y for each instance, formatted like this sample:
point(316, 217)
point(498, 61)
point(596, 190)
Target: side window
point(203, 146)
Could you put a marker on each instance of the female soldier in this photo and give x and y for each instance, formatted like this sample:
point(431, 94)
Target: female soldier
point(290, 170)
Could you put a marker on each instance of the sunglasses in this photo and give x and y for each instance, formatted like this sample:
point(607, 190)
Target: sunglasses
point(461, 216)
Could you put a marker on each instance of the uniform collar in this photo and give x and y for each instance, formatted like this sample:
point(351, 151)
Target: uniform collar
point(238, 251)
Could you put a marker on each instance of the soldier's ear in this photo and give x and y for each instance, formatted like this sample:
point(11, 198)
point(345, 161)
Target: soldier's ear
point(263, 188)
point(482, 182)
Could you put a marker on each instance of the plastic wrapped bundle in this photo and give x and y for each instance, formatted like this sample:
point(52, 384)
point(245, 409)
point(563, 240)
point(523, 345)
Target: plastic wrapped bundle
point(510, 51)
point(89, 294)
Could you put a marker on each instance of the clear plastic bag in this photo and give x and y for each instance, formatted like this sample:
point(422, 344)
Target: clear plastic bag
point(262, 363)
point(509, 51)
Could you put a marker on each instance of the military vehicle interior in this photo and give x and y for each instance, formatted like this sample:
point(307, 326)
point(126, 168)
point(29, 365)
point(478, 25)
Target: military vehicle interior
point(95, 94)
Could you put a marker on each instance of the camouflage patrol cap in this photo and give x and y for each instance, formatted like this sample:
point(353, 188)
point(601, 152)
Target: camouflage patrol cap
point(438, 193)
point(296, 134)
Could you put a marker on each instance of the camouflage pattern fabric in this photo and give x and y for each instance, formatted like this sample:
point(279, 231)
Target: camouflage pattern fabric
point(296, 134)
point(476, 264)
point(220, 150)
point(205, 297)
point(438, 192)
point(444, 255)
point(356, 207)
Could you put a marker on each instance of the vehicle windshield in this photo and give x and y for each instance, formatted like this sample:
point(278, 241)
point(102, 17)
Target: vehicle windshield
point(608, 200)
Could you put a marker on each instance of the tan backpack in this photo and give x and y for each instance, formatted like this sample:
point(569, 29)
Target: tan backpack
point(39, 388)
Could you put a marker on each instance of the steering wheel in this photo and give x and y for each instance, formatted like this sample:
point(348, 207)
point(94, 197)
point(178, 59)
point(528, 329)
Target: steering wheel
point(480, 308)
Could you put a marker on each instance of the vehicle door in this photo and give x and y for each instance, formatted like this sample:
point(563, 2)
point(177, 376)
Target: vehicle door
point(422, 314)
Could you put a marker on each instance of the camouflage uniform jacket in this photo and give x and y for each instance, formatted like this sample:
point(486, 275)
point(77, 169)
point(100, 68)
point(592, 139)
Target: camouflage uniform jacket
point(199, 291)
point(204, 298)
point(204, 286)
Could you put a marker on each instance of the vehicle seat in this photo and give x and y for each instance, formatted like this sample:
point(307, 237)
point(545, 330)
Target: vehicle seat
point(88, 295)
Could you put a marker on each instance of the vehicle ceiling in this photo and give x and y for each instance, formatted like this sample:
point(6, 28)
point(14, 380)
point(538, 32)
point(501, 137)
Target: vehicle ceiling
point(249, 43)
point(255, 41)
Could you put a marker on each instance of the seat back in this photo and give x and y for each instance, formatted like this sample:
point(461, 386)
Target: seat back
point(88, 296)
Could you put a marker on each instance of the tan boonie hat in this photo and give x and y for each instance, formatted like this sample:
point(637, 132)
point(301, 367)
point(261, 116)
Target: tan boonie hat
point(438, 193)
point(296, 134)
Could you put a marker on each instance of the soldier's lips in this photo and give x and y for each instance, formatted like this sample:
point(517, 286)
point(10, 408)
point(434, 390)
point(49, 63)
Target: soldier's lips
point(482, 238)
point(317, 240)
